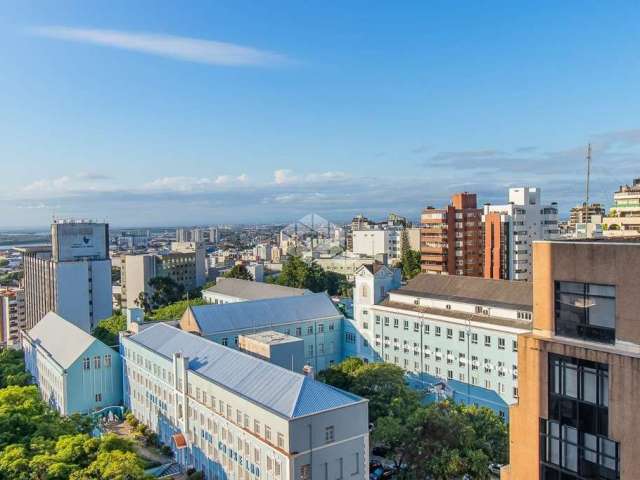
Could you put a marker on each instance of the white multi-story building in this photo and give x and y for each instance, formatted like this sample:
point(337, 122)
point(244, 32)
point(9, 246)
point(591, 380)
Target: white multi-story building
point(456, 331)
point(12, 316)
point(72, 277)
point(379, 241)
point(510, 230)
point(234, 416)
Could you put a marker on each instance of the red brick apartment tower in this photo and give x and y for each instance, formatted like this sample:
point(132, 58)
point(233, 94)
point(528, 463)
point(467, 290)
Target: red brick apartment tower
point(451, 238)
point(496, 252)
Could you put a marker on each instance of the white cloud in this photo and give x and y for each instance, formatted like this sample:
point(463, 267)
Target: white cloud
point(287, 177)
point(194, 184)
point(51, 185)
point(179, 48)
point(283, 176)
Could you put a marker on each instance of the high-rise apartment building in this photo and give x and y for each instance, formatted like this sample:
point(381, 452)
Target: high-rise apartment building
point(624, 215)
point(183, 235)
point(72, 277)
point(185, 264)
point(12, 316)
point(451, 238)
point(509, 231)
point(576, 418)
point(213, 235)
point(584, 213)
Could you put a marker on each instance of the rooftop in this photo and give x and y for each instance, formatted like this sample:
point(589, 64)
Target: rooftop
point(502, 322)
point(259, 314)
point(287, 393)
point(250, 290)
point(271, 337)
point(483, 291)
point(61, 338)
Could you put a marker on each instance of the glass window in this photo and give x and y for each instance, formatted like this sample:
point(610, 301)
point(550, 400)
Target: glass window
point(584, 310)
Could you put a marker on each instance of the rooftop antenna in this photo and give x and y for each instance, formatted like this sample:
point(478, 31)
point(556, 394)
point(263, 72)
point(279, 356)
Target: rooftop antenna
point(586, 205)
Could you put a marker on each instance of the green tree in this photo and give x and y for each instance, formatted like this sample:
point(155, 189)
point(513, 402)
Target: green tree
point(175, 310)
point(380, 383)
point(441, 440)
point(107, 330)
point(3, 262)
point(114, 465)
point(143, 302)
point(239, 271)
point(116, 275)
point(165, 291)
point(12, 369)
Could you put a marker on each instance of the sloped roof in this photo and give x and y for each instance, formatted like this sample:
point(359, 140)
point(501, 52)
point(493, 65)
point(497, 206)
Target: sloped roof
point(61, 338)
point(483, 291)
point(285, 392)
point(262, 313)
point(249, 290)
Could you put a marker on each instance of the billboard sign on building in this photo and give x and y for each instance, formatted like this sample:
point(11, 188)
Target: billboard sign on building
point(74, 241)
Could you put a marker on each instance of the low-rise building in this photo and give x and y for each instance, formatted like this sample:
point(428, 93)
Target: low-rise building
point(456, 331)
point(230, 290)
point(233, 416)
point(275, 347)
point(75, 372)
point(12, 317)
point(580, 366)
point(311, 317)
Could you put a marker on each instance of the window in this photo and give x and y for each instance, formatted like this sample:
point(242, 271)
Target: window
point(321, 328)
point(487, 341)
point(96, 361)
point(449, 333)
point(225, 341)
point(437, 331)
point(396, 323)
point(377, 319)
point(474, 362)
point(310, 330)
point(349, 338)
point(107, 361)
point(585, 310)
point(386, 321)
point(305, 472)
point(86, 363)
point(329, 434)
point(427, 329)
point(406, 324)
point(256, 426)
point(514, 345)
point(474, 338)
point(280, 440)
point(267, 433)
point(416, 327)
point(501, 343)
point(98, 397)
point(298, 331)
point(461, 335)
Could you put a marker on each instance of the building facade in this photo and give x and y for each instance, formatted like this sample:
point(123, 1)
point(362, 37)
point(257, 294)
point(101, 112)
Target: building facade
point(451, 238)
point(624, 215)
point(312, 317)
point(580, 366)
point(459, 333)
point(385, 241)
point(185, 264)
point(13, 317)
point(584, 213)
point(72, 277)
point(233, 416)
point(75, 372)
point(509, 231)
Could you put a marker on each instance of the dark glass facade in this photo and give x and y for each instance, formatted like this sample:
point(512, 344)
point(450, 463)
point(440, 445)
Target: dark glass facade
point(586, 311)
point(573, 440)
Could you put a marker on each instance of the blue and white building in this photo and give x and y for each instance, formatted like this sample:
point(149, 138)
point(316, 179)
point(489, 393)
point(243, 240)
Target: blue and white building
point(312, 317)
point(457, 333)
point(75, 372)
point(235, 416)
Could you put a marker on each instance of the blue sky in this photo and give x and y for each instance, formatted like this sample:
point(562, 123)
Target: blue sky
point(178, 113)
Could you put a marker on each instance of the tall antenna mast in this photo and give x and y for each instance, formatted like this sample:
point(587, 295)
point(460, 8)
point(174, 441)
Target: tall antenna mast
point(586, 205)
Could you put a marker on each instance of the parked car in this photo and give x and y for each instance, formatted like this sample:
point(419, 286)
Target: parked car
point(494, 468)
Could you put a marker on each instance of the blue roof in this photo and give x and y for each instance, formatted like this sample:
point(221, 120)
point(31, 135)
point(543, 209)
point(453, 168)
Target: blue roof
point(225, 317)
point(288, 393)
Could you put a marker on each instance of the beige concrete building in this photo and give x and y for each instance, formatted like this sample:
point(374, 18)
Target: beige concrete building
point(624, 215)
point(12, 316)
point(579, 369)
